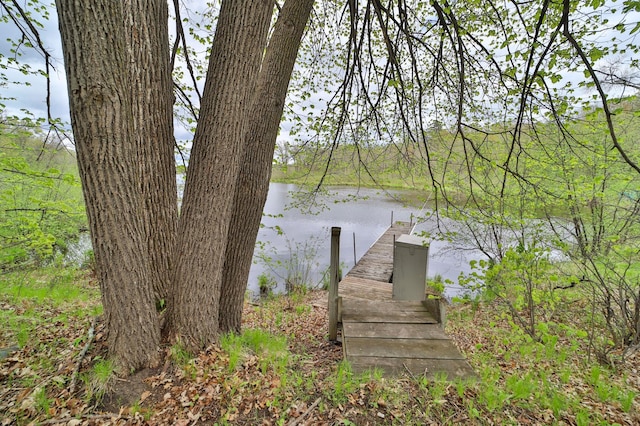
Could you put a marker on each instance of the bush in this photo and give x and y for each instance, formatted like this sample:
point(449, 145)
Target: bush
point(41, 204)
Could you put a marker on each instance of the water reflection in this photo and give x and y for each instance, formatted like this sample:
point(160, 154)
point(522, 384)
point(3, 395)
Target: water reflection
point(363, 213)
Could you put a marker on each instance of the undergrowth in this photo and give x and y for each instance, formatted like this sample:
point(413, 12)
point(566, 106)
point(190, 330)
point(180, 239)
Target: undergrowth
point(281, 368)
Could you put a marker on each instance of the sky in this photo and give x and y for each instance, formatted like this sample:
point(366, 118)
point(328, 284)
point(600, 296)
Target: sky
point(32, 97)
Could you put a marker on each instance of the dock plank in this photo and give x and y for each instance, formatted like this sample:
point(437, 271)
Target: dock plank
point(362, 288)
point(402, 348)
point(392, 335)
point(451, 368)
point(377, 262)
point(394, 330)
point(385, 306)
point(398, 317)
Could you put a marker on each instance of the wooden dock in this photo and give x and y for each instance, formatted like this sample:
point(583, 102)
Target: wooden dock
point(392, 335)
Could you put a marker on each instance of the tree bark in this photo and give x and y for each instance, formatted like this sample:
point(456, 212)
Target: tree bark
point(234, 65)
point(117, 63)
point(260, 138)
point(152, 103)
point(102, 46)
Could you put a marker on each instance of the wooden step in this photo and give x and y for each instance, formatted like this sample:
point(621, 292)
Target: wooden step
point(401, 348)
point(408, 312)
point(394, 330)
point(395, 336)
point(451, 368)
point(390, 317)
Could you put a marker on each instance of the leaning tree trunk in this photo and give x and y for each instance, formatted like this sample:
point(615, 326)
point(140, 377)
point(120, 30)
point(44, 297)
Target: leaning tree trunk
point(152, 103)
point(253, 181)
point(108, 52)
point(214, 164)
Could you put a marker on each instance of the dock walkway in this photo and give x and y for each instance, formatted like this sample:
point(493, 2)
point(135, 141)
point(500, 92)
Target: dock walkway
point(392, 335)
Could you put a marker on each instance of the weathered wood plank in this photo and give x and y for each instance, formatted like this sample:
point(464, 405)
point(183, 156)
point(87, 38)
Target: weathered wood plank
point(401, 348)
point(374, 275)
point(360, 288)
point(394, 330)
point(365, 282)
point(386, 306)
point(334, 273)
point(393, 311)
point(394, 336)
point(359, 295)
point(377, 263)
point(397, 317)
point(452, 368)
point(384, 287)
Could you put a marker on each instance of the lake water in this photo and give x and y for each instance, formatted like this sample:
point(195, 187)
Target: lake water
point(363, 215)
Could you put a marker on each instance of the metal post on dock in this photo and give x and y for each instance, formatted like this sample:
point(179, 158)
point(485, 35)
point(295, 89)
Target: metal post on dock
point(334, 271)
point(354, 249)
point(394, 252)
point(392, 218)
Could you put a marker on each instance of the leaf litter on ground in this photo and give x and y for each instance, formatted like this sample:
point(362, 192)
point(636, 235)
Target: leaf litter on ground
point(304, 383)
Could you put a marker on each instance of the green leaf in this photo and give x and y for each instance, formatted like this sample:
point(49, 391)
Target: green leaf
point(595, 54)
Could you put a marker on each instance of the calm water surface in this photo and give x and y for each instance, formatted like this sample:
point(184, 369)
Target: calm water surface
point(365, 213)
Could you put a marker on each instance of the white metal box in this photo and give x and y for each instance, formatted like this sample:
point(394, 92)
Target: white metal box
point(410, 262)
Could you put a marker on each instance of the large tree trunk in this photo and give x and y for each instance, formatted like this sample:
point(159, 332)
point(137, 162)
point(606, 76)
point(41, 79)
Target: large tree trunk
point(110, 53)
point(116, 58)
point(152, 102)
point(253, 181)
point(234, 64)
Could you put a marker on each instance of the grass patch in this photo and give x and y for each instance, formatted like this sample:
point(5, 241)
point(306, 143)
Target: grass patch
point(54, 286)
point(270, 350)
point(282, 367)
point(98, 380)
point(37, 300)
point(552, 377)
point(180, 355)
